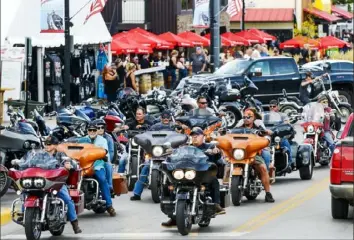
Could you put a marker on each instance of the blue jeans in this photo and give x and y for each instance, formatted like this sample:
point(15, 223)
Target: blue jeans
point(285, 144)
point(102, 180)
point(143, 179)
point(121, 166)
point(328, 138)
point(109, 173)
point(64, 195)
point(183, 73)
point(267, 157)
point(173, 78)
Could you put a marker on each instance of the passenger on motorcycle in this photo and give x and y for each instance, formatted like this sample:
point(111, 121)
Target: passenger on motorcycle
point(99, 165)
point(165, 125)
point(251, 119)
point(328, 137)
point(202, 108)
point(214, 155)
point(101, 127)
point(273, 106)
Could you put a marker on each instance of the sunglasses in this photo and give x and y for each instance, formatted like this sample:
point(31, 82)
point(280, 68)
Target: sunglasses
point(247, 117)
point(203, 103)
point(273, 106)
point(100, 127)
point(92, 130)
point(48, 144)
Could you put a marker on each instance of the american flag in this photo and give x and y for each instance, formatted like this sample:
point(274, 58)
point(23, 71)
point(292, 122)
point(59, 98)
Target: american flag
point(96, 7)
point(234, 7)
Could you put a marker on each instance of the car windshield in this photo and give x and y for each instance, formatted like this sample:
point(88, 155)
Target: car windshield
point(233, 67)
point(272, 118)
point(313, 112)
point(38, 159)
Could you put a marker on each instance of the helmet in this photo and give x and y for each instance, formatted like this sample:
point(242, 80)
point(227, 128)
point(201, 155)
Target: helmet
point(92, 125)
point(99, 122)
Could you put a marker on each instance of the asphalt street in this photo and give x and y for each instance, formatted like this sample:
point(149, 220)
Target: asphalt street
point(302, 210)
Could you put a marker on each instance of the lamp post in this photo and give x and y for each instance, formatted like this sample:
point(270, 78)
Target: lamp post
point(214, 34)
point(67, 53)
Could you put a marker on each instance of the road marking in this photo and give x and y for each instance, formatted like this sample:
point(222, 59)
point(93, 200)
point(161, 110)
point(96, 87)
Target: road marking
point(283, 207)
point(5, 216)
point(156, 235)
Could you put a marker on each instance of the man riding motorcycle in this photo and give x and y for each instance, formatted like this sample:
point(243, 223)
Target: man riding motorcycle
point(252, 119)
point(202, 108)
point(99, 165)
point(101, 127)
point(165, 124)
point(214, 155)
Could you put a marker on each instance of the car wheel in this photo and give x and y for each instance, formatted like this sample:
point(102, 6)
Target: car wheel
point(344, 96)
point(339, 208)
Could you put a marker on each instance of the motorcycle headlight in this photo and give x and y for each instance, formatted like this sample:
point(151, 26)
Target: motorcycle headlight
point(26, 183)
point(190, 175)
point(33, 145)
point(134, 143)
point(178, 174)
point(26, 145)
point(38, 182)
point(157, 151)
point(239, 154)
point(310, 129)
point(277, 139)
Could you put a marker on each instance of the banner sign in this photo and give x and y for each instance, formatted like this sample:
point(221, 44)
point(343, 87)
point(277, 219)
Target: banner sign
point(201, 17)
point(52, 16)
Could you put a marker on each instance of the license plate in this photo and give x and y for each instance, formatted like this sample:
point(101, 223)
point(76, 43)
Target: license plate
point(183, 196)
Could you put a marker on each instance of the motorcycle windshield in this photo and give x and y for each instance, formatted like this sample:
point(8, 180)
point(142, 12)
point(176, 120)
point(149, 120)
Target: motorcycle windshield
point(188, 157)
point(38, 159)
point(272, 118)
point(82, 115)
point(25, 128)
point(313, 112)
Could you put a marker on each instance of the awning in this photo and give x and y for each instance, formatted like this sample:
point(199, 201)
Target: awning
point(342, 13)
point(175, 40)
point(195, 38)
point(238, 41)
point(250, 37)
point(149, 38)
point(266, 15)
point(321, 14)
point(27, 24)
point(264, 35)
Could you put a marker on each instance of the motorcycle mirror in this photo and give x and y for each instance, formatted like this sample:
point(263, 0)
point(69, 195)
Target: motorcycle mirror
point(90, 100)
point(167, 145)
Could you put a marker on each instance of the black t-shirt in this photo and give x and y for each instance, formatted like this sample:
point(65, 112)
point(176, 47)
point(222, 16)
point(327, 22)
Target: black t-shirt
point(132, 124)
point(305, 92)
point(144, 63)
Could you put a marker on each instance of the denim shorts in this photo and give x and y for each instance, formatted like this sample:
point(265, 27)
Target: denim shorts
point(259, 160)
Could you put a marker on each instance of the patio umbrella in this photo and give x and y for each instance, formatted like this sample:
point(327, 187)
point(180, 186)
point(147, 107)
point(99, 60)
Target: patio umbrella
point(224, 41)
point(196, 39)
point(159, 43)
point(237, 40)
point(262, 34)
point(299, 42)
point(332, 42)
point(120, 40)
point(175, 40)
point(251, 37)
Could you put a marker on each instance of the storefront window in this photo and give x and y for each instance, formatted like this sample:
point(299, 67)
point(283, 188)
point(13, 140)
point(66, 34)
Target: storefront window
point(187, 5)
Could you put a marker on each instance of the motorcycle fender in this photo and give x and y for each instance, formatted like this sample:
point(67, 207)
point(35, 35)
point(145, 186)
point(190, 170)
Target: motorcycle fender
point(31, 202)
point(309, 141)
point(237, 171)
point(182, 196)
point(304, 155)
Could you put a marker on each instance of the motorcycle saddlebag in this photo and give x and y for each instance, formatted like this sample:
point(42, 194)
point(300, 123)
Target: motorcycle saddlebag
point(119, 184)
point(78, 199)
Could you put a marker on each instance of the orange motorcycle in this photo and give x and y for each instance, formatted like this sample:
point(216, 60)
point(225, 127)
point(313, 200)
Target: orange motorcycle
point(83, 180)
point(240, 150)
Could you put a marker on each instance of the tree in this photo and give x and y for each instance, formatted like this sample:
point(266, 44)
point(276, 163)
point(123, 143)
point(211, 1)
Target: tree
point(308, 29)
point(334, 2)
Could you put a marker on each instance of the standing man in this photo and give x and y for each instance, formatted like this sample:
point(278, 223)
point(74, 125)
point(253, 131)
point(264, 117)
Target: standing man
point(198, 61)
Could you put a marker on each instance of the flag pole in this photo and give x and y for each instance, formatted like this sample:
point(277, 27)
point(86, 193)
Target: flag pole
point(67, 53)
point(243, 15)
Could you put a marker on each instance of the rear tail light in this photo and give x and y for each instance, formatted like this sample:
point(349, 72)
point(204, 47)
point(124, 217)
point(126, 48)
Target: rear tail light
point(336, 166)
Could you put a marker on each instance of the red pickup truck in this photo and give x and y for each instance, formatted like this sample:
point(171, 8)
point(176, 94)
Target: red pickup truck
point(342, 172)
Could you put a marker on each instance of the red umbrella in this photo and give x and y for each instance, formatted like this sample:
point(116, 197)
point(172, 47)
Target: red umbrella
point(298, 42)
point(251, 37)
point(175, 40)
point(224, 41)
point(237, 40)
point(332, 42)
point(264, 35)
point(159, 43)
point(125, 38)
point(195, 38)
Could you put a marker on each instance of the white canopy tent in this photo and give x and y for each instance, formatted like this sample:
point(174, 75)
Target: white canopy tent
point(26, 23)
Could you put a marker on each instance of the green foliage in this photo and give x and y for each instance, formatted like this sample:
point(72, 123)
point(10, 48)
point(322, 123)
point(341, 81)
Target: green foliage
point(334, 2)
point(308, 29)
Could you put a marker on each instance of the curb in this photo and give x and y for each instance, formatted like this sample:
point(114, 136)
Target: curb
point(5, 216)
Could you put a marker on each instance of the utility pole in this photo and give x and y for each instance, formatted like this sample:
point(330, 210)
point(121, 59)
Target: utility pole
point(28, 67)
point(243, 14)
point(214, 34)
point(67, 53)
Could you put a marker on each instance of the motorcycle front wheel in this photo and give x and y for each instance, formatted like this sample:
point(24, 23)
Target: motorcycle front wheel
point(133, 171)
point(346, 111)
point(183, 217)
point(156, 186)
point(236, 190)
point(5, 183)
point(33, 227)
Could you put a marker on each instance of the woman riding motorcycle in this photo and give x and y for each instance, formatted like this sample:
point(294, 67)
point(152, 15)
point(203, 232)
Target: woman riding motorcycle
point(251, 119)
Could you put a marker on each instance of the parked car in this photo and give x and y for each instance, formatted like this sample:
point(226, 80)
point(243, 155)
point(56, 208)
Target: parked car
point(342, 172)
point(271, 75)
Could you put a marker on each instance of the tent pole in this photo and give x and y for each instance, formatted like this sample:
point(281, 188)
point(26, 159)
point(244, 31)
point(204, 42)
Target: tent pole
point(67, 54)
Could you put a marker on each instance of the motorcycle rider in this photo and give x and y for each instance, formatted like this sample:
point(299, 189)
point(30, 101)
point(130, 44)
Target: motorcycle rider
point(214, 154)
point(165, 125)
point(328, 137)
point(202, 109)
point(306, 87)
point(99, 165)
point(252, 119)
point(101, 127)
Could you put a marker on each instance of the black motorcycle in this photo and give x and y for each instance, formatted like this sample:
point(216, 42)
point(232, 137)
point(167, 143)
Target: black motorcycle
point(157, 145)
point(189, 172)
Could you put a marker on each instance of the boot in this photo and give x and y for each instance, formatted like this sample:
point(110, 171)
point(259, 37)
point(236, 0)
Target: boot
point(169, 223)
point(269, 198)
point(111, 211)
point(135, 198)
point(219, 209)
point(76, 228)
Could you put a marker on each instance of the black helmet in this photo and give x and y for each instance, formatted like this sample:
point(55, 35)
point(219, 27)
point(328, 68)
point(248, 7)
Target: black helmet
point(99, 122)
point(92, 125)
point(58, 133)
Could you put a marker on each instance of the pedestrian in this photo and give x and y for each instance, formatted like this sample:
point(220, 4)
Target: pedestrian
point(172, 68)
point(144, 62)
point(248, 53)
point(120, 71)
point(207, 60)
point(264, 50)
point(276, 52)
point(130, 81)
point(182, 68)
point(227, 57)
point(256, 53)
point(198, 61)
point(111, 84)
point(304, 55)
point(136, 62)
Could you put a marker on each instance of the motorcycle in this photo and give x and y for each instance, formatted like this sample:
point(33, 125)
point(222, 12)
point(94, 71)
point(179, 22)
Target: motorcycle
point(74, 119)
point(156, 149)
point(313, 116)
point(189, 171)
point(240, 150)
point(86, 155)
point(302, 154)
point(38, 182)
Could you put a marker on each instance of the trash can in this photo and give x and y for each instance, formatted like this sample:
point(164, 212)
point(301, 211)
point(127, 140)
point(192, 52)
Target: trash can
point(21, 104)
